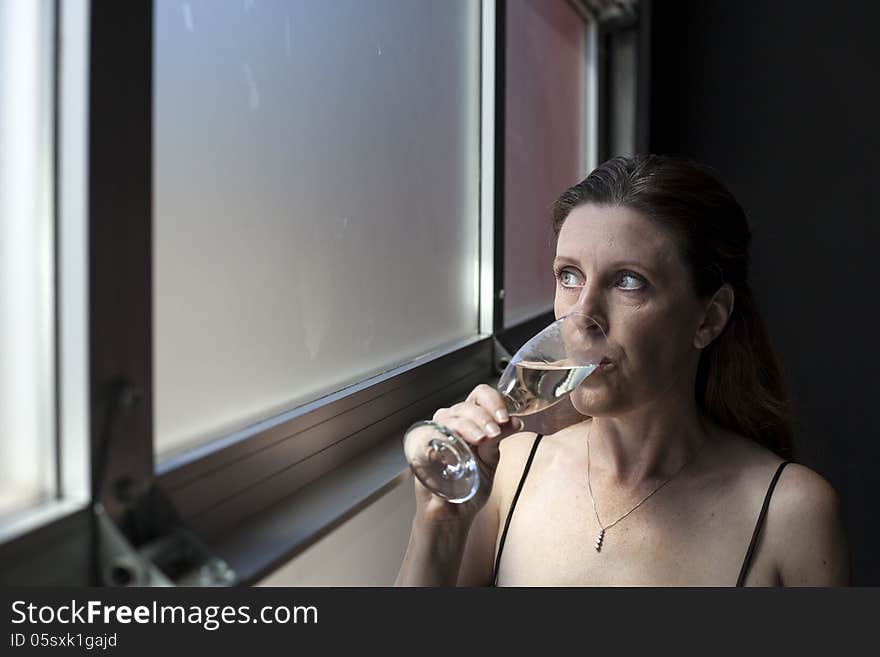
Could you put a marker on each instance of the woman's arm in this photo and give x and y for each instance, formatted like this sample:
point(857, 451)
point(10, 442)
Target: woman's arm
point(434, 554)
point(451, 552)
point(439, 540)
point(811, 543)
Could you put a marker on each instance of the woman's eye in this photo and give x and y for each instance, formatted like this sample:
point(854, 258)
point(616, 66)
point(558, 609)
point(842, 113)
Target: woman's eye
point(567, 278)
point(629, 281)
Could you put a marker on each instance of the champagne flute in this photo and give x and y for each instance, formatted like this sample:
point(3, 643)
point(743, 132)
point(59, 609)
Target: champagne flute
point(543, 372)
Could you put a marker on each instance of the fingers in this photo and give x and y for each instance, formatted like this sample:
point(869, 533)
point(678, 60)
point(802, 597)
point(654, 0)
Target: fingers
point(479, 430)
point(481, 418)
point(490, 400)
point(482, 421)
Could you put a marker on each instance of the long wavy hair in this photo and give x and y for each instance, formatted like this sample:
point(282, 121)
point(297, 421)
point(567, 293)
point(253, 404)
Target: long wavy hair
point(739, 382)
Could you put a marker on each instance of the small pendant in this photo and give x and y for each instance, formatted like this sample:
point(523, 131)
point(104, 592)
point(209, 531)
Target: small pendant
point(599, 540)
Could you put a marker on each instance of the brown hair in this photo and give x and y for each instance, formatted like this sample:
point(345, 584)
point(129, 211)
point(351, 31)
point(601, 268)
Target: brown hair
point(739, 380)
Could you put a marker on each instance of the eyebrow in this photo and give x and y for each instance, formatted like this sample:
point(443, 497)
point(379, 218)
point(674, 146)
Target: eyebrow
point(614, 265)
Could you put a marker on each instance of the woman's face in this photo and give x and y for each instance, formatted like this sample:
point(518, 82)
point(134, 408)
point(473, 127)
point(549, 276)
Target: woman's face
point(626, 272)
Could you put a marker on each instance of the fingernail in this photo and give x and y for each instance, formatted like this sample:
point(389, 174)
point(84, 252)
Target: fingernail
point(493, 429)
point(501, 415)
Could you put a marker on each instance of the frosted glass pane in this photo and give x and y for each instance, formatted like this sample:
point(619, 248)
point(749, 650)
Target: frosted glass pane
point(27, 295)
point(544, 150)
point(316, 189)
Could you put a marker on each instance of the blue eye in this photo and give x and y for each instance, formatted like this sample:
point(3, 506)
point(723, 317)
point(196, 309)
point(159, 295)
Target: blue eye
point(629, 281)
point(567, 278)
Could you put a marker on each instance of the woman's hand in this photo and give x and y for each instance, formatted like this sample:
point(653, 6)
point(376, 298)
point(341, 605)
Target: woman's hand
point(481, 421)
point(440, 531)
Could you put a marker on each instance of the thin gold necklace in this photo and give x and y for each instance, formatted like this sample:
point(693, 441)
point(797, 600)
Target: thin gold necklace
point(602, 529)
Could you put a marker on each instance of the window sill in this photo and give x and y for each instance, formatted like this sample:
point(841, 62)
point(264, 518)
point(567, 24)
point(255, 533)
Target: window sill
point(30, 520)
point(268, 540)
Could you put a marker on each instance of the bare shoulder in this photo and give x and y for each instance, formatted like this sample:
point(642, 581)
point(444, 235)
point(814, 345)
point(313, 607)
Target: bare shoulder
point(515, 450)
point(517, 446)
point(478, 559)
point(803, 532)
point(808, 532)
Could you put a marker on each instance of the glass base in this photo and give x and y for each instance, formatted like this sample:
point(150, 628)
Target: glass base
point(442, 461)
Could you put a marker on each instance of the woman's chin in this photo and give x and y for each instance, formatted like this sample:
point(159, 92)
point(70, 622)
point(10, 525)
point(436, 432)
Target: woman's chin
point(586, 402)
point(596, 401)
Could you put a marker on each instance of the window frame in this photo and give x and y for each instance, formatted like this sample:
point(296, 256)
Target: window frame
point(217, 486)
point(64, 490)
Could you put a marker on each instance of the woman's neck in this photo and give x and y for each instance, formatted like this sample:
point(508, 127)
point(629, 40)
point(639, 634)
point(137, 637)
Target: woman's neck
point(650, 443)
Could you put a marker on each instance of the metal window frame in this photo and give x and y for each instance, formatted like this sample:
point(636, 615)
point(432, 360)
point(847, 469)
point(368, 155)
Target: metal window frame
point(48, 545)
point(496, 132)
point(71, 256)
point(120, 250)
point(217, 486)
point(592, 86)
point(620, 16)
point(491, 127)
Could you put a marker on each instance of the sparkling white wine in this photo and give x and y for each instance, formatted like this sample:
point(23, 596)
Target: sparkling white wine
point(539, 385)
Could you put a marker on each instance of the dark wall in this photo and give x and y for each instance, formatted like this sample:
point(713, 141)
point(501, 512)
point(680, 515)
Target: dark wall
point(781, 97)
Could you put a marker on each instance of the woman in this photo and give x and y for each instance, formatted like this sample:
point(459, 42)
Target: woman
point(675, 469)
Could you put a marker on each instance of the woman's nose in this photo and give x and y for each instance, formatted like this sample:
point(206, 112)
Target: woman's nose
point(590, 302)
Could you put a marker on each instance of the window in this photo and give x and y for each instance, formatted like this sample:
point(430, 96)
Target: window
point(43, 370)
point(316, 169)
point(27, 345)
point(546, 142)
point(306, 190)
point(293, 247)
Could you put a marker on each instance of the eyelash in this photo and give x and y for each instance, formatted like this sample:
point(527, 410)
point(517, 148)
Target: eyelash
point(559, 272)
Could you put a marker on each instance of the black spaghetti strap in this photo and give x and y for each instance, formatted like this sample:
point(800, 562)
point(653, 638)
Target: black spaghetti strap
point(512, 505)
point(748, 560)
